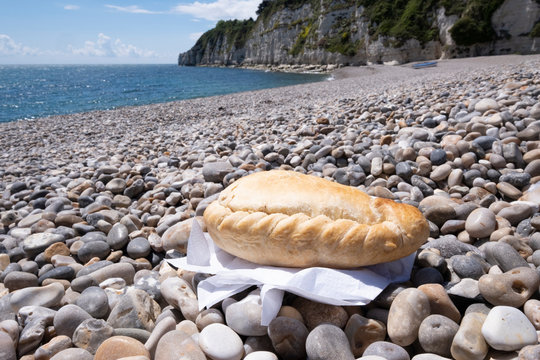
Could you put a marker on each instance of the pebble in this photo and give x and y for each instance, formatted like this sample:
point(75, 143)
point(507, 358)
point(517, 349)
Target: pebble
point(469, 343)
point(315, 313)
point(408, 310)
point(118, 236)
point(91, 333)
point(117, 347)
point(134, 309)
point(288, 337)
point(7, 347)
point(503, 255)
point(94, 301)
point(439, 301)
point(244, 316)
point(220, 342)
point(480, 223)
point(68, 318)
point(506, 328)
point(47, 296)
point(362, 332)
point(73, 353)
point(261, 355)
point(178, 293)
point(386, 350)
point(328, 342)
point(436, 333)
point(512, 288)
point(177, 343)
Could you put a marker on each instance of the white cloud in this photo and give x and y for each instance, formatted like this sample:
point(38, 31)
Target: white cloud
point(105, 46)
point(71, 7)
point(220, 9)
point(134, 9)
point(9, 47)
point(195, 36)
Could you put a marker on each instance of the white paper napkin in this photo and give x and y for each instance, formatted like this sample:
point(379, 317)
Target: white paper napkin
point(325, 285)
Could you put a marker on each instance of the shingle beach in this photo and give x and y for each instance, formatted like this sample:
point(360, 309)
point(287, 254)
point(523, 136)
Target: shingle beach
point(93, 204)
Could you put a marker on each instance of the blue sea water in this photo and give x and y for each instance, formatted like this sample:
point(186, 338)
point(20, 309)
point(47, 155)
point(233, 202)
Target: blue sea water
point(31, 91)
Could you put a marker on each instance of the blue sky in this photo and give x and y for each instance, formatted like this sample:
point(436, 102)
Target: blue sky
point(110, 31)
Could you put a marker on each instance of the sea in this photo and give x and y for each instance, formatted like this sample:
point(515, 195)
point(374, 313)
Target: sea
point(32, 91)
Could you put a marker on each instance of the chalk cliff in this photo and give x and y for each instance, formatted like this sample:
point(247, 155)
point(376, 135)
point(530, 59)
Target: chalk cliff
point(347, 32)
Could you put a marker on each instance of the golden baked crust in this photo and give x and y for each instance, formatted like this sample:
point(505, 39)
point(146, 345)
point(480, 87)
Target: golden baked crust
point(284, 218)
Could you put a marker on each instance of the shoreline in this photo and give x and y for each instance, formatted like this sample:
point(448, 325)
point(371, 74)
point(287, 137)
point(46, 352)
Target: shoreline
point(93, 204)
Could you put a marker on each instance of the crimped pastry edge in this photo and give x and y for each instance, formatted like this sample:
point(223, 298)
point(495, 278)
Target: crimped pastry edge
point(242, 234)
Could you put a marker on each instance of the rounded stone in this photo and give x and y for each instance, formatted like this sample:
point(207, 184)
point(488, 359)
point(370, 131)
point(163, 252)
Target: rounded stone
point(427, 275)
point(244, 316)
point(117, 347)
point(89, 250)
point(408, 310)
point(68, 318)
point(118, 236)
point(315, 313)
point(530, 352)
point(178, 293)
point(94, 301)
point(328, 342)
point(439, 301)
point(485, 105)
point(209, 316)
point(220, 342)
point(16, 280)
point(134, 309)
point(288, 337)
point(386, 350)
point(467, 266)
point(438, 157)
point(60, 272)
point(91, 333)
point(58, 248)
point(37, 243)
point(7, 347)
point(261, 355)
point(512, 288)
point(532, 311)
point(480, 223)
point(138, 248)
point(177, 344)
point(116, 185)
point(176, 237)
point(469, 343)
point(73, 353)
point(362, 332)
point(508, 329)
point(436, 334)
point(47, 296)
point(503, 255)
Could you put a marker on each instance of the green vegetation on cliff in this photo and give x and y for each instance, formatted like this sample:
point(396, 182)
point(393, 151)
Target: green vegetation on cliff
point(235, 32)
point(474, 26)
point(397, 21)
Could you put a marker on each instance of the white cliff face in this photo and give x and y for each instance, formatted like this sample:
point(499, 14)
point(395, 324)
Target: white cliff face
point(515, 17)
point(295, 36)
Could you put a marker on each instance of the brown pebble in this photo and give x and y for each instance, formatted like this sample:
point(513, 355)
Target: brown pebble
point(58, 248)
point(118, 347)
point(439, 301)
point(315, 313)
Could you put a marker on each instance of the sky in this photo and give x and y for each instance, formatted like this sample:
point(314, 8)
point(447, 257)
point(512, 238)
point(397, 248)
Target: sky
point(109, 31)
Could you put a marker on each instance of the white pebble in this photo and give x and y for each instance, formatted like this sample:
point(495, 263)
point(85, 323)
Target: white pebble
point(506, 328)
point(219, 342)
